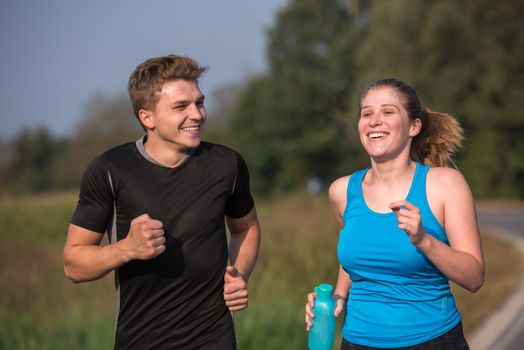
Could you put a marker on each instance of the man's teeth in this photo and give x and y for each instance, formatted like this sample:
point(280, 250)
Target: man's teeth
point(376, 135)
point(191, 128)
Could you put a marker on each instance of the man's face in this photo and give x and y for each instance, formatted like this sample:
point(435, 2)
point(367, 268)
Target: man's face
point(179, 115)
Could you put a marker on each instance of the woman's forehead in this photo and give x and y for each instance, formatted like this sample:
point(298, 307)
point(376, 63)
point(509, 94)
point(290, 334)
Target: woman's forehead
point(382, 94)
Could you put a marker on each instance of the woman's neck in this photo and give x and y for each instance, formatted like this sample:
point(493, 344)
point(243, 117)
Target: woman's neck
point(386, 183)
point(391, 172)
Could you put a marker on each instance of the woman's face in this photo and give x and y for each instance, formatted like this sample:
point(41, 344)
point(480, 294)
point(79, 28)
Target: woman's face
point(384, 126)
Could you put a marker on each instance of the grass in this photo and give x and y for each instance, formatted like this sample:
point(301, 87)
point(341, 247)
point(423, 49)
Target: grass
point(42, 217)
point(41, 309)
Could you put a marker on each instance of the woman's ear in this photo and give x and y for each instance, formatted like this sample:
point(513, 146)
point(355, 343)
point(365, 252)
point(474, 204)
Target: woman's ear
point(415, 128)
point(146, 119)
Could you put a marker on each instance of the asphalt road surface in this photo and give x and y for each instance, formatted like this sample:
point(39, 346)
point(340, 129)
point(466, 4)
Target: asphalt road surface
point(510, 220)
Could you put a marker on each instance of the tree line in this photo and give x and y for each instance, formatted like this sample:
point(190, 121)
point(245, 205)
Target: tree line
point(465, 58)
point(38, 161)
point(298, 121)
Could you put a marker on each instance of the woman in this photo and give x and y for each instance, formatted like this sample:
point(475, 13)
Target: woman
point(408, 225)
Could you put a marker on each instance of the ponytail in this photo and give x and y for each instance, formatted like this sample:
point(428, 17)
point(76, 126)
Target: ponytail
point(440, 137)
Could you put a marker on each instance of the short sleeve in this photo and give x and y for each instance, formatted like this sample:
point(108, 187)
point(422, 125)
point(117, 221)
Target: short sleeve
point(95, 203)
point(241, 201)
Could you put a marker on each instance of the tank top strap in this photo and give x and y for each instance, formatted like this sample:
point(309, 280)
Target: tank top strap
point(418, 196)
point(354, 196)
point(417, 193)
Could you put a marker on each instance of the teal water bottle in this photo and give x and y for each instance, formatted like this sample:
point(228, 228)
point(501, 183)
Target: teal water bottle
point(322, 333)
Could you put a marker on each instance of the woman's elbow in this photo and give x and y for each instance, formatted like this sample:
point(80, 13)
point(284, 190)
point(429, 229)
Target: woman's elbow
point(476, 283)
point(475, 287)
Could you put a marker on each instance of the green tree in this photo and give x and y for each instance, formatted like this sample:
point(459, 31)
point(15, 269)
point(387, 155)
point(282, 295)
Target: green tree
point(38, 161)
point(464, 58)
point(108, 121)
point(288, 123)
point(252, 132)
point(217, 128)
point(35, 163)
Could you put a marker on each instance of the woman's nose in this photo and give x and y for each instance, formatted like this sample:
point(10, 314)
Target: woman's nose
point(375, 119)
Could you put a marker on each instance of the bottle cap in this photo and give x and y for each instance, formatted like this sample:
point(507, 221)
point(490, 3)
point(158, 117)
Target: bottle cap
point(324, 290)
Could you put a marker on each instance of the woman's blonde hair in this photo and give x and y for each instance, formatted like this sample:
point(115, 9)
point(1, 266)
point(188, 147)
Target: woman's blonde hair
point(440, 135)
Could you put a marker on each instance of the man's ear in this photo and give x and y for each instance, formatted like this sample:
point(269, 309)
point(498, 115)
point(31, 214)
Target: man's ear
point(415, 128)
point(146, 118)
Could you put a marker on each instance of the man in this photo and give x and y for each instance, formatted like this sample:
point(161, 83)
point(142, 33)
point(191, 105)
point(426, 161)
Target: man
point(164, 201)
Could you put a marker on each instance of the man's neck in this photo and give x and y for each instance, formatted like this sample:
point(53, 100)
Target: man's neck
point(161, 153)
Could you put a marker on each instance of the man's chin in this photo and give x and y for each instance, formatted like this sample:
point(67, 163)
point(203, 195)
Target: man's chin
point(193, 144)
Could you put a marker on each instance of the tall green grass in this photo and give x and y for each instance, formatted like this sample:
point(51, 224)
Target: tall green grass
point(41, 309)
point(42, 217)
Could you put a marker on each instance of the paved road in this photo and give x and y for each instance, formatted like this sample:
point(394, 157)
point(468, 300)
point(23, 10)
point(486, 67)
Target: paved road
point(510, 220)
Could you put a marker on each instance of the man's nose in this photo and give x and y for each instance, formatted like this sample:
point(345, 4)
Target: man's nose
point(197, 112)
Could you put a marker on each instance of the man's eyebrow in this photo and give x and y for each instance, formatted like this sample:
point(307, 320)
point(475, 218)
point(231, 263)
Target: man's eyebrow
point(187, 101)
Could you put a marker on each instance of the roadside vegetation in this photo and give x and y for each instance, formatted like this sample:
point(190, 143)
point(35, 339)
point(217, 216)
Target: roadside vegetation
point(41, 309)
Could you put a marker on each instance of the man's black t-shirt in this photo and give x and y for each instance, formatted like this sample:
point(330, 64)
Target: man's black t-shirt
point(174, 301)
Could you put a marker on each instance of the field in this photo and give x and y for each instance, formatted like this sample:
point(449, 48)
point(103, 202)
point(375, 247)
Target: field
point(41, 309)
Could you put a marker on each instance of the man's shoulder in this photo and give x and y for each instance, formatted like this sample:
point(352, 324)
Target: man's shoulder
point(115, 155)
point(217, 150)
point(120, 150)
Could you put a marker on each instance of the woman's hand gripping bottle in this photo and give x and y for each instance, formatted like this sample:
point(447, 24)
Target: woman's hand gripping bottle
point(322, 333)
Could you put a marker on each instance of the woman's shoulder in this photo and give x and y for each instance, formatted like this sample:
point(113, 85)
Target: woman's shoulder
point(445, 176)
point(445, 182)
point(338, 188)
point(338, 195)
point(446, 188)
point(340, 184)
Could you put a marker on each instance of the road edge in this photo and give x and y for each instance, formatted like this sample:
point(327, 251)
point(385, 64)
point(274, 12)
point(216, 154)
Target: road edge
point(499, 322)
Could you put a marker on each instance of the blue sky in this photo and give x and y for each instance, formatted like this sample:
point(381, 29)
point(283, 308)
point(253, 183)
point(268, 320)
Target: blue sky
point(57, 54)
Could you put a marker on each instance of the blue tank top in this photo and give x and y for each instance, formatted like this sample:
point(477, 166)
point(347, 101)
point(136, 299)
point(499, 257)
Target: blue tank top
point(398, 297)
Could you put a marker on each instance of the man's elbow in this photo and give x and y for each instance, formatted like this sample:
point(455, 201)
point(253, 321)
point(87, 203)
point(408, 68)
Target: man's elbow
point(71, 270)
point(75, 274)
point(69, 273)
point(79, 275)
point(68, 269)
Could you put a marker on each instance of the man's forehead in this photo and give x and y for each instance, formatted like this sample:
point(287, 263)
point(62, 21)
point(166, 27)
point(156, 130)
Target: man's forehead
point(181, 89)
